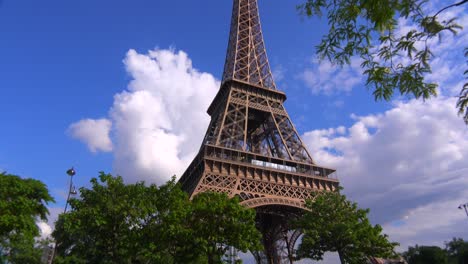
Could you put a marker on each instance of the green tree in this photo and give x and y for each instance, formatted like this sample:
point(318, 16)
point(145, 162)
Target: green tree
point(219, 222)
point(368, 29)
point(117, 223)
point(22, 203)
point(165, 228)
point(425, 254)
point(109, 221)
point(457, 251)
point(334, 224)
point(23, 250)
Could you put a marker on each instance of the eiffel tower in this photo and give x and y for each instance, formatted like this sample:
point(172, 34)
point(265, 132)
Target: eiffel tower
point(251, 148)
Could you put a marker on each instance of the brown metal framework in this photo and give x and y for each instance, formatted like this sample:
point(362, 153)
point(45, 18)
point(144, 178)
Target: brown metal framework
point(251, 148)
point(246, 58)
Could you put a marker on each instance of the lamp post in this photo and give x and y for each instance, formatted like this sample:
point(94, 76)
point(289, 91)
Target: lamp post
point(464, 206)
point(71, 190)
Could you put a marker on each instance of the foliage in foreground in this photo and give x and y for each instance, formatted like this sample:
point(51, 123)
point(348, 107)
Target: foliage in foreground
point(455, 252)
point(117, 223)
point(335, 224)
point(392, 60)
point(22, 202)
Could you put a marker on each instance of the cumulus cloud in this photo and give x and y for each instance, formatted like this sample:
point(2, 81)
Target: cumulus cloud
point(45, 228)
point(408, 165)
point(448, 63)
point(159, 121)
point(94, 133)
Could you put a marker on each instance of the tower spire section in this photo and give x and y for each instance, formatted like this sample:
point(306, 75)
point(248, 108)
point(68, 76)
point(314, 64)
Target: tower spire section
point(246, 58)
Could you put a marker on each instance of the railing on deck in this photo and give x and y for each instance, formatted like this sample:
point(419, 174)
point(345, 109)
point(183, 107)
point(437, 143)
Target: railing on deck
point(268, 162)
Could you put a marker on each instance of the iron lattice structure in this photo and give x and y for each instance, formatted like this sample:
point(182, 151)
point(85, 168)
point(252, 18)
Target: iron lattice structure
point(251, 148)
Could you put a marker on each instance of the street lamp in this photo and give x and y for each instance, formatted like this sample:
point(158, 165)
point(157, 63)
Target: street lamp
point(71, 190)
point(464, 206)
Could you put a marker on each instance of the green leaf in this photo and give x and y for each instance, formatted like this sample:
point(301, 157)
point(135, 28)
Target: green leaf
point(335, 224)
point(366, 29)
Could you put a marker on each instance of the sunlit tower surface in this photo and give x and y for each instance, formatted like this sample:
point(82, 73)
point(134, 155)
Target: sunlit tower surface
point(251, 148)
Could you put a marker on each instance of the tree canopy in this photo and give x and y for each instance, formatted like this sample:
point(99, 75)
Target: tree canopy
point(455, 252)
point(425, 254)
point(22, 203)
point(392, 60)
point(334, 224)
point(117, 223)
point(219, 222)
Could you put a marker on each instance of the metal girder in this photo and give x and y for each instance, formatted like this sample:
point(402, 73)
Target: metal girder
point(251, 148)
point(258, 123)
point(246, 58)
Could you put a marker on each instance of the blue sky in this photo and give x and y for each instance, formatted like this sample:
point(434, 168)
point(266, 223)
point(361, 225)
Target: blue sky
point(73, 94)
point(62, 61)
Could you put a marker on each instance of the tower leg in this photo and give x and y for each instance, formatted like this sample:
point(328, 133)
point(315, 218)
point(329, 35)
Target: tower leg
point(278, 240)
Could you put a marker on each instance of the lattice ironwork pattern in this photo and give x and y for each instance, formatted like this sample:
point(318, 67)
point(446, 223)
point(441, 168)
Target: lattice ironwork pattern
point(251, 148)
point(246, 58)
point(258, 186)
point(257, 122)
point(278, 238)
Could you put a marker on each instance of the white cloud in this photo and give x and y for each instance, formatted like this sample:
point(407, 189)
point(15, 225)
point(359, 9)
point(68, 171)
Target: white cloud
point(408, 165)
point(324, 77)
point(430, 224)
point(448, 63)
point(159, 121)
point(94, 133)
point(45, 228)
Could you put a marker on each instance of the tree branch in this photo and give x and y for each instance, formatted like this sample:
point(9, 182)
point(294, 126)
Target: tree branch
point(450, 6)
